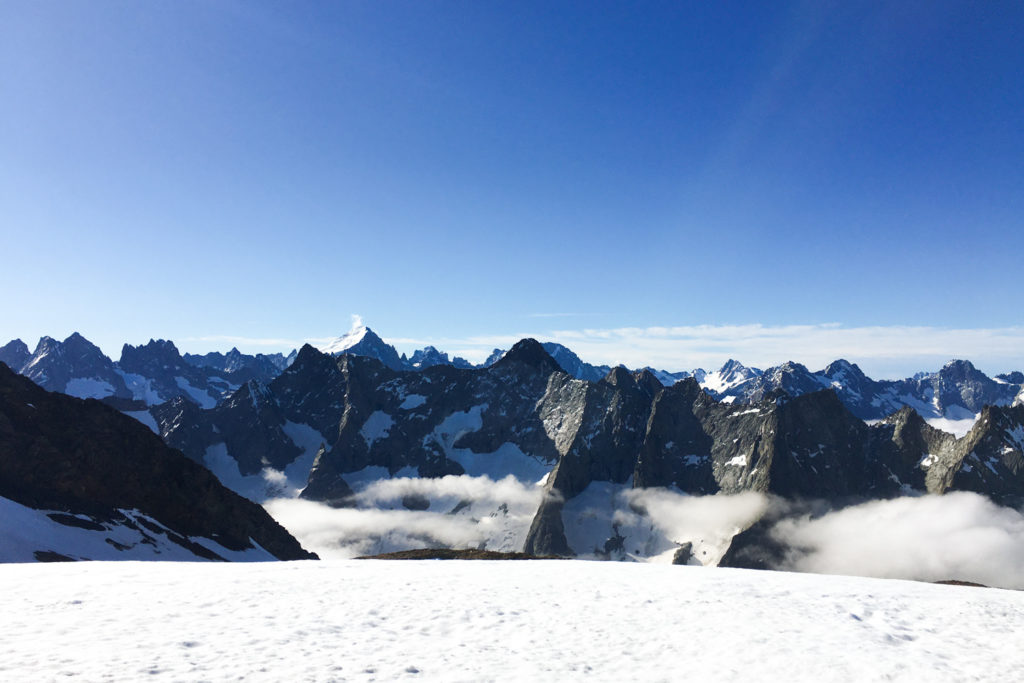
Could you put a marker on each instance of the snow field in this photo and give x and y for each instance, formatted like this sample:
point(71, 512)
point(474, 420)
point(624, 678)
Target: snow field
point(472, 621)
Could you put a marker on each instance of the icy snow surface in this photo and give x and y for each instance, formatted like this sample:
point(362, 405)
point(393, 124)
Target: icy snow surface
point(204, 400)
point(377, 427)
point(141, 388)
point(84, 387)
point(413, 401)
point(479, 621)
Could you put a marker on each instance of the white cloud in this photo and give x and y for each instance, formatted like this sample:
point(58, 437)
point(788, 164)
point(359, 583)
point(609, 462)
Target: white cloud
point(881, 351)
point(960, 535)
point(463, 512)
point(682, 516)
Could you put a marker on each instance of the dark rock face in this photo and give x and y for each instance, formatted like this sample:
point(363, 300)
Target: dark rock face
point(14, 354)
point(417, 419)
point(66, 454)
point(169, 376)
point(241, 367)
point(683, 553)
point(988, 460)
point(1015, 377)
point(960, 383)
point(428, 357)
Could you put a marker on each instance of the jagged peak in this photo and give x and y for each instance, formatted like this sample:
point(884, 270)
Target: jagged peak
point(902, 416)
point(791, 366)
point(529, 352)
point(647, 380)
point(46, 342)
point(841, 365)
point(959, 366)
point(358, 334)
point(257, 392)
point(15, 345)
point(308, 355)
point(731, 365)
point(494, 357)
point(619, 377)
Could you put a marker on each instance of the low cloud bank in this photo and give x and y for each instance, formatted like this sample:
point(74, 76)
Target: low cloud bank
point(452, 489)
point(683, 516)
point(959, 535)
point(460, 512)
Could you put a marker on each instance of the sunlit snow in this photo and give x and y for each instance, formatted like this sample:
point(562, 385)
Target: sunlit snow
point(508, 621)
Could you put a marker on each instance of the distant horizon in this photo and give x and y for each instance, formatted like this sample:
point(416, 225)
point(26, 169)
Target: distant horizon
point(669, 348)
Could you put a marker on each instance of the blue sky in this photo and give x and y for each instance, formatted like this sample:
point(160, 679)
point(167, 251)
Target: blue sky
point(468, 172)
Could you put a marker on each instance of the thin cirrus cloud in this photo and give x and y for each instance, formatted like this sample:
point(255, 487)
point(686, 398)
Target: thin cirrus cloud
point(881, 351)
point(884, 351)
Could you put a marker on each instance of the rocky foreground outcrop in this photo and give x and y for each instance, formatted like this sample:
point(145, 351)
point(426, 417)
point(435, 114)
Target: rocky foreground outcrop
point(90, 467)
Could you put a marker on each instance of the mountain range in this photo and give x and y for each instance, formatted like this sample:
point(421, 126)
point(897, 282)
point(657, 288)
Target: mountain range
point(156, 372)
point(585, 443)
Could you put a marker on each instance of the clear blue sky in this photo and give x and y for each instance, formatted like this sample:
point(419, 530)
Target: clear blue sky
point(451, 171)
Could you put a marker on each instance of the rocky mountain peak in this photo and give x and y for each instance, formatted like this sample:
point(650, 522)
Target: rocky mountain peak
point(620, 377)
point(959, 369)
point(45, 345)
point(648, 381)
point(733, 368)
point(843, 369)
point(495, 356)
point(14, 354)
point(311, 361)
point(161, 351)
point(531, 353)
point(428, 357)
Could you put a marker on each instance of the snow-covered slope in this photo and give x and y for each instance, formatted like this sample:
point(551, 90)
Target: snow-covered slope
point(495, 621)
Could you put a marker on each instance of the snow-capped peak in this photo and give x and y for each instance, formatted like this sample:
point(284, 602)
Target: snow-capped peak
point(347, 340)
point(732, 374)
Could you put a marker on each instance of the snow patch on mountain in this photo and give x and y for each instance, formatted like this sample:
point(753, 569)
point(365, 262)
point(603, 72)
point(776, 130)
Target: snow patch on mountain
point(141, 388)
point(25, 531)
point(377, 426)
point(87, 387)
point(204, 400)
